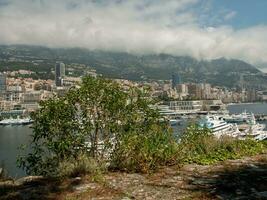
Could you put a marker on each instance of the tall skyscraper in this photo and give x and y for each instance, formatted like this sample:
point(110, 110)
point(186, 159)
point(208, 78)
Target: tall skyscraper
point(59, 73)
point(175, 80)
point(2, 82)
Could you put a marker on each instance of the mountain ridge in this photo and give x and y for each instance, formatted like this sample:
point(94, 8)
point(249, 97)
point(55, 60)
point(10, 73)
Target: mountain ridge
point(221, 71)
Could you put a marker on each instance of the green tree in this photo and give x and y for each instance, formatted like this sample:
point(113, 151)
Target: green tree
point(56, 136)
point(95, 119)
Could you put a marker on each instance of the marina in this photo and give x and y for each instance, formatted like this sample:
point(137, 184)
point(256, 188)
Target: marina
point(220, 122)
point(11, 137)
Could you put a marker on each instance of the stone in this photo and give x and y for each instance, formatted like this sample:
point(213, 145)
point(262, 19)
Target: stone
point(1, 172)
point(28, 179)
point(125, 198)
point(84, 187)
point(76, 180)
point(204, 181)
point(7, 183)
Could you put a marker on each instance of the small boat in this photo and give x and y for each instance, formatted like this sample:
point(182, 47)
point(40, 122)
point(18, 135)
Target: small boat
point(237, 118)
point(16, 121)
point(262, 136)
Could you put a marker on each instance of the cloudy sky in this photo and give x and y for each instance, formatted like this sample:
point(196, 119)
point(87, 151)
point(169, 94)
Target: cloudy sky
point(204, 29)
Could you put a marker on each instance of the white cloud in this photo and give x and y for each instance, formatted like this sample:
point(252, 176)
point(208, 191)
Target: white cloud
point(230, 15)
point(145, 26)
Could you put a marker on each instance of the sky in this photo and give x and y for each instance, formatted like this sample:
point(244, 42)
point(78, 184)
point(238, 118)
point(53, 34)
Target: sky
point(203, 29)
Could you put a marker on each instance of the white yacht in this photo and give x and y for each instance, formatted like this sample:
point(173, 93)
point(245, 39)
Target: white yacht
point(249, 126)
point(218, 126)
point(256, 129)
point(237, 118)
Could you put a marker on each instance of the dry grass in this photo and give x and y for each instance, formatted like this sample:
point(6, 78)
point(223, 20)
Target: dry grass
point(81, 166)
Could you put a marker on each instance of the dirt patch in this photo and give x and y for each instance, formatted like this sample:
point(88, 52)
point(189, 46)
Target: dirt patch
point(234, 179)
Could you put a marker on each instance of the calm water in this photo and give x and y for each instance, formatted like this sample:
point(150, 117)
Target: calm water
point(11, 137)
point(256, 108)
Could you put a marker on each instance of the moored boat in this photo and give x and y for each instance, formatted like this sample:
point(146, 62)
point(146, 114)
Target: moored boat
point(217, 125)
point(220, 127)
point(16, 121)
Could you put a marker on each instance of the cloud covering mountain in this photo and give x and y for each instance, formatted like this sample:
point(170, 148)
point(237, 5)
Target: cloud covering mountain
point(177, 27)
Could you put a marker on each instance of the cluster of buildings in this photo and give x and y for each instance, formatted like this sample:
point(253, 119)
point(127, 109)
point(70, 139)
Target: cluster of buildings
point(20, 96)
point(175, 89)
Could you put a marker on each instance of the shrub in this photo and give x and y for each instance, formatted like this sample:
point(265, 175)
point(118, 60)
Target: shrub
point(198, 145)
point(90, 120)
point(82, 165)
point(141, 152)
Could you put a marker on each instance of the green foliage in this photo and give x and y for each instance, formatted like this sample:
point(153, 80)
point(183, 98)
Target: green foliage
point(56, 136)
point(99, 119)
point(106, 123)
point(144, 151)
point(42, 71)
point(200, 146)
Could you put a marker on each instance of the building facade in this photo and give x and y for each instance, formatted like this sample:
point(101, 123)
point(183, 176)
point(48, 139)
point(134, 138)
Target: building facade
point(59, 73)
point(3, 83)
point(186, 106)
point(176, 79)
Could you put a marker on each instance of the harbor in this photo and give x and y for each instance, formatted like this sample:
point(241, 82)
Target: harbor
point(220, 121)
point(12, 137)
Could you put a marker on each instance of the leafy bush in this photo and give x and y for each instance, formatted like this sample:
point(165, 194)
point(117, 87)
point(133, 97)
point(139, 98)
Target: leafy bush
point(199, 146)
point(56, 137)
point(97, 119)
point(142, 152)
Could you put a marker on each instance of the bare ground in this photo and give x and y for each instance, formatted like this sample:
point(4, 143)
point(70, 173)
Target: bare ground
point(233, 179)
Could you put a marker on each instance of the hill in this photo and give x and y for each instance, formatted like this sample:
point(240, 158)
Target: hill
point(222, 72)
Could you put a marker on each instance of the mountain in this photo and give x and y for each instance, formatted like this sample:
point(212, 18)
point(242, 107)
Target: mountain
point(222, 72)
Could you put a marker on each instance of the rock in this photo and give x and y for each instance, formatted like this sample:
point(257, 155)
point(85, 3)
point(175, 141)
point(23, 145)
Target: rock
point(204, 181)
point(84, 187)
point(7, 183)
point(253, 165)
point(76, 180)
point(125, 198)
point(28, 179)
